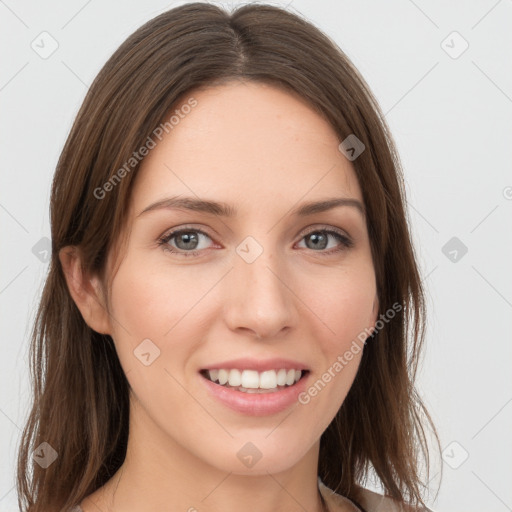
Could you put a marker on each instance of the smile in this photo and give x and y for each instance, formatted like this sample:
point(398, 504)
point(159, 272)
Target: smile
point(255, 393)
point(252, 381)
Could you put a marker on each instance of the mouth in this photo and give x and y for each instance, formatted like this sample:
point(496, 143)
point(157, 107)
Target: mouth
point(252, 381)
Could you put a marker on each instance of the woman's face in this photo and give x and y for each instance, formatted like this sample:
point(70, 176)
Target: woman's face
point(278, 289)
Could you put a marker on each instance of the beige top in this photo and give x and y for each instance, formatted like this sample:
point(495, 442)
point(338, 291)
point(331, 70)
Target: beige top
point(370, 501)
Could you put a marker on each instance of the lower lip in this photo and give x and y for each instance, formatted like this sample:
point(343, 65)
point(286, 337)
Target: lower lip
point(257, 404)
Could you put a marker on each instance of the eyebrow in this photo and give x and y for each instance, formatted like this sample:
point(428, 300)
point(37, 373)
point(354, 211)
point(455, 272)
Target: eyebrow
point(226, 210)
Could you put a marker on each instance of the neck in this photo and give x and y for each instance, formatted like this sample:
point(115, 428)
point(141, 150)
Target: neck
point(160, 474)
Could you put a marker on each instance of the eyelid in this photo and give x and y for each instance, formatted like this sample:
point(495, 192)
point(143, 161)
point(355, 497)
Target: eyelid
point(174, 231)
point(169, 234)
point(303, 231)
point(324, 227)
point(342, 235)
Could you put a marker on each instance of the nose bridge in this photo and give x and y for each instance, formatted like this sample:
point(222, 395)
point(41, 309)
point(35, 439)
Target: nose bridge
point(261, 301)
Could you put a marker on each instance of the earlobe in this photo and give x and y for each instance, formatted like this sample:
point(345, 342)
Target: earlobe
point(85, 290)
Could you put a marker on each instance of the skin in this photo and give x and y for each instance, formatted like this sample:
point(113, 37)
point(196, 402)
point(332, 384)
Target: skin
point(264, 151)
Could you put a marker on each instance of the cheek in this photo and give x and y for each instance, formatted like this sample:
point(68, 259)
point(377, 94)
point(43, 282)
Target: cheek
point(344, 305)
point(149, 304)
point(345, 319)
point(355, 307)
point(166, 305)
point(150, 301)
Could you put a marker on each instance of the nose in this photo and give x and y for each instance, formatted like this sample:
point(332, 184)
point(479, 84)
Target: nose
point(261, 299)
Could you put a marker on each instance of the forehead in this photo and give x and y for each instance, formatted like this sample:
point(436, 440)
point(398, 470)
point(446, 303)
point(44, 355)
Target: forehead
point(245, 143)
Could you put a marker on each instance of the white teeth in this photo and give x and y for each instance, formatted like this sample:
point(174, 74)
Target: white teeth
point(252, 380)
point(268, 379)
point(281, 377)
point(290, 377)
point(235, 378)
point(223, 376)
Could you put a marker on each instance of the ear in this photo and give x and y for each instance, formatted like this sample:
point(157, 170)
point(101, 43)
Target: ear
point(85, 290)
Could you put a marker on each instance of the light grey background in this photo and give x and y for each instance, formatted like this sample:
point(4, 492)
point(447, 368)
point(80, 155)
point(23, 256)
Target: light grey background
point(451, 118)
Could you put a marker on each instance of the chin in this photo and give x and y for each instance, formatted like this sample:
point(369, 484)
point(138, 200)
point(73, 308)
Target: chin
point(262, 453)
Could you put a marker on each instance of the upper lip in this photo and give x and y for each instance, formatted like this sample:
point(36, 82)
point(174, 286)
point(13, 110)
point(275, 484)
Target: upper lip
point(260, 365)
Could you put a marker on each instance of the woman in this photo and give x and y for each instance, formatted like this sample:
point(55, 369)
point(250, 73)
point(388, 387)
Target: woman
point(232, 291)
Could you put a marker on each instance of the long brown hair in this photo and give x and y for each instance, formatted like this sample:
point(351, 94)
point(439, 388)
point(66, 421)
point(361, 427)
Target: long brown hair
point(81, 394)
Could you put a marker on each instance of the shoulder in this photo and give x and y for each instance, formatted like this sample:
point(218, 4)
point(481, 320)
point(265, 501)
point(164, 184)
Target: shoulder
point(370, 501)
point(373, 501)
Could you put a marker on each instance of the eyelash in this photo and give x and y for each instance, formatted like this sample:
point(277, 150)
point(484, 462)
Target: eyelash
point(346, 243)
